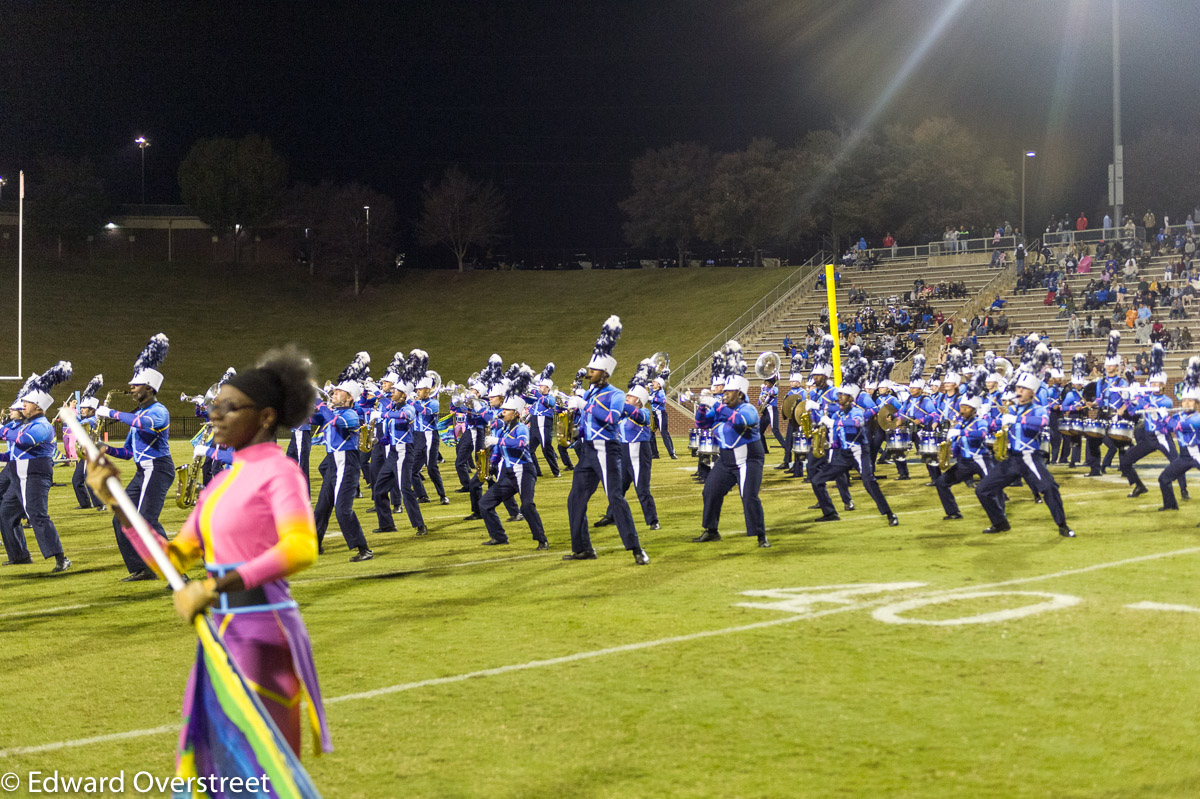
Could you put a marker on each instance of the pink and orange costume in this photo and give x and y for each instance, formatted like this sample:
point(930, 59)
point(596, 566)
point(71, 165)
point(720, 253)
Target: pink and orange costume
point(254, 518)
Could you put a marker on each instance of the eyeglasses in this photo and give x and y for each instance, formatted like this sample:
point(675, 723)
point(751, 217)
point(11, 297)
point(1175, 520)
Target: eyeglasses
point(226, 407)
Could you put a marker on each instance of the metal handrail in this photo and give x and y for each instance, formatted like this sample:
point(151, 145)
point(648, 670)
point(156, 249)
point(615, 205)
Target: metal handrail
point(691, 367)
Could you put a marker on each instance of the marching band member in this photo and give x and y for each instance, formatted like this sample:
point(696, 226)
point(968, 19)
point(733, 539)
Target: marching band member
point(471, 440)
point(341, 467)
point(395, 475)
point(426, 439)
point(636, 457)
point(716, 389)
point(372, 415)
point(736, 427)
point(148, 445)
point(87, 417)
point(1110, 402)
point(1185, 427)
point(363, 406)
point(512, 460)
point(1024, 423)
point(846, 423)
point(32, 447)
point(1055, 388)
point(1151, 436)
point(601, 409)
point(768, 403)
point(1072, 404)
point(253, 527)
point(16, 417)
point(972, 457)
point(886, 396)
point(541, 413)
point(494, 425)
point(795, 389)
point(658, 408)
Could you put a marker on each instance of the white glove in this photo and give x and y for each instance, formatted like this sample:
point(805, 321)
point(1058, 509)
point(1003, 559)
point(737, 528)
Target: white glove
point(575, 403)
point(1008, 418)
point(376, 415)
point(707, 400)
point(490, 441)
point(827, 421)
point(199, 451)
point(954, 432)
point(810, 405)
point(104, 412)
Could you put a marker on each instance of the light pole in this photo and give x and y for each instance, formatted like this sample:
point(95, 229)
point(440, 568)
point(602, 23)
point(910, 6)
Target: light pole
point(367, 208)
point(142, 144)
point(1118, 177)
point(2, 182)
point(1028, 154)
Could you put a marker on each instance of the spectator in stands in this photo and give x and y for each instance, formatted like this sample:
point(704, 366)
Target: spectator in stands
point(1103, 327)
point(998, 304)
point(1107, 226)
point(787, 345)
point(862, 246)
point(1142, 332)
point(890, 243)
point(1002, 324)
point(1082, 222)
point(1089, 329)
point(1073, 328)
point(1149, 221)
point(1185, 338)
point(1140, 362)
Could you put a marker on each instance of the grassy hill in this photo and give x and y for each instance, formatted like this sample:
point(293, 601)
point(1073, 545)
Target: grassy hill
point(99, 317)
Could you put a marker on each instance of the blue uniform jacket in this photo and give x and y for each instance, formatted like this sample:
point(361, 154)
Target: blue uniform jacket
point(148, 433)
point(341, 427)
point(603, 410)
point(732, 427)
point(635, 427)
point(29, 440)
point(513, 446)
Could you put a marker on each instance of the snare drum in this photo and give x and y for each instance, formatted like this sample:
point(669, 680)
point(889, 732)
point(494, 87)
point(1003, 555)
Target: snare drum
point(989, 440)
point(1044, 443)
point(707, 445)
point(1071, 427)
point(928, 444)
point(1094, 428)
point(802, 446)
point(898, 442)
point(1121, 431)
point(694, 441)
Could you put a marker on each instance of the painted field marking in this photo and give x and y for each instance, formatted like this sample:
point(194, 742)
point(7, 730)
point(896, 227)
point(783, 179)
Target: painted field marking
point(634, 647)
point(1162, 606)
point(58, 609)
point(891, 613)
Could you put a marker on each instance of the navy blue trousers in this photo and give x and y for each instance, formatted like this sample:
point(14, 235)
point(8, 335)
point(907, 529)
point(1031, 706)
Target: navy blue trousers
point(148, 491)
point(599, 466)
point(298, 449)
point(340, 472)
point(541, 433)
point(637, 474)
point(1030, 466)
point(28, 495)
point(741, 467)
point(393, 482)
point(83, 492)
point(841, 461)
point(960, 472)
point(519, 480)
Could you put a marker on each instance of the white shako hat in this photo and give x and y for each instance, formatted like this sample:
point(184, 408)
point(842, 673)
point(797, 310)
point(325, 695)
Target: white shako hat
point(918, 368)
point(1112, 355)
point(1158, 372)
point(87, 398)
point(1191, 379)
point(602, 357)
point(145, 368)
point(641, 379)
point(518, 387)
point(18, 404)
point(351, 378)
point(823, 361)
point(39, 392)
point(544, 379)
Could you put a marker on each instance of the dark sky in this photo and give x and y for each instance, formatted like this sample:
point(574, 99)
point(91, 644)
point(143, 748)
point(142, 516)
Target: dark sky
point(553, 99)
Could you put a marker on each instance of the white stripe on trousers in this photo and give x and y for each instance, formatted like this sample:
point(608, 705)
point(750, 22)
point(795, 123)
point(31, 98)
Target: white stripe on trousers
point(149, 467)
point(1028, 458)
point(739, 457)
point(339, 460)
point(598, 445)
point(635, 457)
point(400, 450)
point(22, 474)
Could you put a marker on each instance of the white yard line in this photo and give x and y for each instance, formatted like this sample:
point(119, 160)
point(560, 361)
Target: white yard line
point(1162, 606)
point(634, 647)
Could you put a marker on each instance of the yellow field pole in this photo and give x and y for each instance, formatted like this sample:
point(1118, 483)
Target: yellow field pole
point(831, 294)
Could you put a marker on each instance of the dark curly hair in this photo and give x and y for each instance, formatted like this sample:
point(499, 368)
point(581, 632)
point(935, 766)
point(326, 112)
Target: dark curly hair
point(283, 380)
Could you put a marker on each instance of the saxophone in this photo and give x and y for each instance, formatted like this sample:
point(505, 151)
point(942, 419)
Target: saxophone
point(102, 424)
point(187, 476)
point(1000, 450)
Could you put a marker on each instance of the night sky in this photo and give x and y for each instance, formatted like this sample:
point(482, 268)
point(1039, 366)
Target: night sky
point(553, 99)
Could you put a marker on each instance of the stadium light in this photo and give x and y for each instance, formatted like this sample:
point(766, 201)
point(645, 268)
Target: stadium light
point(142, 144)
point(1028, 154)
point(367, 208)
point(2, 182)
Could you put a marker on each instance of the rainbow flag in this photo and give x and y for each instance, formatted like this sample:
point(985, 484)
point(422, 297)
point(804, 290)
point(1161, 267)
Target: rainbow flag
point(229, 745)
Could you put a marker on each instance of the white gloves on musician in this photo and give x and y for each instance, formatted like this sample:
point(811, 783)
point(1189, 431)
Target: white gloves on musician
point(490, 441)
point(575, 403)
point(1008, 418)
point(811, 405)
point(954, 432)
point(376, 415)
point(200, 451)
point(104, 412)
point(827, 421)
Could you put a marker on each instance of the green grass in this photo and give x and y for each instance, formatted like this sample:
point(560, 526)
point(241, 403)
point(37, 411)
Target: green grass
point(216, 316)
point(1094, 700)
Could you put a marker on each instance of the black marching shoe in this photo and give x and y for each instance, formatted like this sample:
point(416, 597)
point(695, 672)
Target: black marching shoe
point(62, 563)
point(520, 517)
point(1137, 491)
point(472, 518)
point(101, 508)
point(640, 557)
point(26, 563)
point(1038, 500)
point(654, 526)
point(814, 507)
point(952, 517)
point(391, 529)
point(445, 500)
point(588, 554)
point(893, 520)
point(929, 484)
point(674, 457)
point(1183, 494)
point(320, 549)
point(492, 542)
point(139, 576)
point(781, 466)
point(604, 521)
point(557, 474)
point(422, 500)
point(1065, 531)
point(543, 544)
point(1169, 507)
point(763, 542)
point(422, 530)
point(709, 534)
point(830, 517)
point(363, 554)
point(462, 491)
point(1003, 527)
point(848, 506)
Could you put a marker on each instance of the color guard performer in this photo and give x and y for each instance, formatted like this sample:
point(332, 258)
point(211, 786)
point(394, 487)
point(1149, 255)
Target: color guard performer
point(1185, 427)
point(601, 409)
point(1023, 424)
point(341, 467)
point(512, 462)
point(31, 446)
point(735, 426)
point(148, 445)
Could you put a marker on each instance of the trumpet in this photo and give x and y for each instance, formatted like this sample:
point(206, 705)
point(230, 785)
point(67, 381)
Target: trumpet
point(196, 400)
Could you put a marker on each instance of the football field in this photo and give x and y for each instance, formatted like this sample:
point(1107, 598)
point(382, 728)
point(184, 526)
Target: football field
point(849, 660)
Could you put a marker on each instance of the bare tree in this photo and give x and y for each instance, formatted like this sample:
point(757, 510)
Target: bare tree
point(670, 187)
point(459, 213)
point(357, 231)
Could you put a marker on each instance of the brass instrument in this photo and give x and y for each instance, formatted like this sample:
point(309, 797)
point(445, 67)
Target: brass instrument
point(366, 435)
point(820, 441)
point(102, 425)
point(1000, 448)
point(187, 476)
point(483, 463)
point(945, 459)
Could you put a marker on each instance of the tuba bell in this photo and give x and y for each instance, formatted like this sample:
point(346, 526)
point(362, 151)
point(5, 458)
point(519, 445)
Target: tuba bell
point(767, 365)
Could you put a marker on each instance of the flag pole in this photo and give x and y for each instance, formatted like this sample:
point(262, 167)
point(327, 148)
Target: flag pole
point(126, 504)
